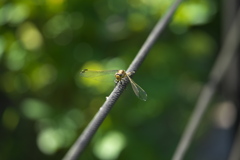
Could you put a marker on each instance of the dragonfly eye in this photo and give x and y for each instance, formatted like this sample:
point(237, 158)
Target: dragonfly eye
point(119, 74)
point(84, 70)
point(118, 77)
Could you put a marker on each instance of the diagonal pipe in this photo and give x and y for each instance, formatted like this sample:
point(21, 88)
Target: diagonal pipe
point(83, 140)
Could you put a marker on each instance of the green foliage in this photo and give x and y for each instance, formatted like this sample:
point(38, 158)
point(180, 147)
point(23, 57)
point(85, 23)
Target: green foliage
point(46, 105)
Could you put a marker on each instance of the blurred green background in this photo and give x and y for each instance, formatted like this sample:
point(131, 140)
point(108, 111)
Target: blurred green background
point(45, 104)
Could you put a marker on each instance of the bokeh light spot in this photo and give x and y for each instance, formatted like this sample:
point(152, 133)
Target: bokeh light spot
point(13, 13)
point(49, 141)
point(225, 115)
point(192, 13)
point(15, 57)
point(35, 109)
point(110, 146)
point(30, 36)
point(18, 14)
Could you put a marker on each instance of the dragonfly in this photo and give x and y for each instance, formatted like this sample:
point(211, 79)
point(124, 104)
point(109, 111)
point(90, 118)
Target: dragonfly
point(119, 76)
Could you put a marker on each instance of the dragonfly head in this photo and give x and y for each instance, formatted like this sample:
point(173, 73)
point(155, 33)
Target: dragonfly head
point(84, 70)
point(120, 74)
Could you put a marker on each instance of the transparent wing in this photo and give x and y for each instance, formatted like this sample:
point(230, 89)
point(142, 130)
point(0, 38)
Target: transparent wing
point(96, 73)
point(140, 93)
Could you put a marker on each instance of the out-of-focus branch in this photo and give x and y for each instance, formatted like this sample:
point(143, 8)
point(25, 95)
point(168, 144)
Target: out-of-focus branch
point(235, 154)
point(91, 129)
point(225, 57)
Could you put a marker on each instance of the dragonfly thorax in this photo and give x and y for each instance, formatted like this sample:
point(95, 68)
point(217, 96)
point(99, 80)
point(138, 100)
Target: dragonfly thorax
point(119, 75)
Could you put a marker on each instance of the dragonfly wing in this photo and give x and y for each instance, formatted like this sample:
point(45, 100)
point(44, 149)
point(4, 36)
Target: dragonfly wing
point(140, 93)
point(96, 73)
